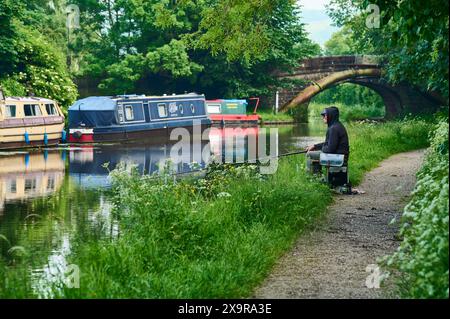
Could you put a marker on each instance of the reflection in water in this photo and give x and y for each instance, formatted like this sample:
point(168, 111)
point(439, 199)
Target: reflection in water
point(53, 200)
point(27, 176)
point(89, 166)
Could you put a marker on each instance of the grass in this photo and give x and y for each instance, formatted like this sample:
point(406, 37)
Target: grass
point(348, 112)
point(216, 237)
point(268, 115)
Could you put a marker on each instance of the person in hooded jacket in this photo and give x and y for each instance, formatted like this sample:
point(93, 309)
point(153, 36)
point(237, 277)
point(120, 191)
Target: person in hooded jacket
point(336, 141)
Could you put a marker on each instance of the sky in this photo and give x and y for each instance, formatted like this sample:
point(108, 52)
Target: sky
point(318, 23)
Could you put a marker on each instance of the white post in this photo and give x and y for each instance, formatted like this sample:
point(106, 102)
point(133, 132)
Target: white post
point(277, 102)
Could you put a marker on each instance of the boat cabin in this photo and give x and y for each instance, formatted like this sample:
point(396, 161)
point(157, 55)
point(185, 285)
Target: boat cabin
point(100, 119)
point(230, 112)
point(29, 122)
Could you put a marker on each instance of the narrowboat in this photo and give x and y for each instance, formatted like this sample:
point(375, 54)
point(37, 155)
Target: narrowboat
point(29, 122)
point(133, 117)
point(231, 112)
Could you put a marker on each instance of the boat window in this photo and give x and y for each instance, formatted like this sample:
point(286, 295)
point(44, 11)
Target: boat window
point(30, 185)
point(10, 111)
point(193, 108)
point(13, 186)
point(162, 110)
point(129, 113)
point(51, 109)
point(51, 184)
point(180, 109)
point(214, 108)
point(32, 110)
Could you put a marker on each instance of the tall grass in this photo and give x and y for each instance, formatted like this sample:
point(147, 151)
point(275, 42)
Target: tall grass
point(217, 237)
point(268, 115)
point(370, 143)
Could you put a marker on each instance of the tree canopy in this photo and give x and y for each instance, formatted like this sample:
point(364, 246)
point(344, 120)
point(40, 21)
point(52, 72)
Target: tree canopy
point(412, 36)
point(218, 47)
point(32, 58)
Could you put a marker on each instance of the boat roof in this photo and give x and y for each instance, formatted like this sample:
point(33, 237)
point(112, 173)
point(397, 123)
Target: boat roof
point(227, 101)
point(94, 103)
point(108, 103)
point(12, 99)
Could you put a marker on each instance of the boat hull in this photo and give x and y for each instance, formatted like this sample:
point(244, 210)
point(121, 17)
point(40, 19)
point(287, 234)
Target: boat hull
point(12, 133)
point(249, 120)
point(153, 136)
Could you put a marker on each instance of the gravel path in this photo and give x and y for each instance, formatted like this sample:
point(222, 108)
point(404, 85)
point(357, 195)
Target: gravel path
point(330, 261)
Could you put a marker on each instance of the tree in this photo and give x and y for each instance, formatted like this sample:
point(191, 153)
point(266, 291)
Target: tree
point(32, 53)
point(413, 37)
point(219, 47)
point(341, 43)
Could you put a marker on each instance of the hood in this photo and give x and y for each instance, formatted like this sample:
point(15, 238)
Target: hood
point(332, 114)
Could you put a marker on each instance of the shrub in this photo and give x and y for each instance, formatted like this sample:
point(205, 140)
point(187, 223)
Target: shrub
point(422, 258)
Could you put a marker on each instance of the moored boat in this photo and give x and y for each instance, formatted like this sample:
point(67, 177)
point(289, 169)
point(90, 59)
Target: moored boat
point(224, 112)
point(29, 122)
point(133, 117)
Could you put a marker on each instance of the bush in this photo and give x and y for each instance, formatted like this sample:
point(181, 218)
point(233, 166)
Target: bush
point(422, 258)
point(41, 70)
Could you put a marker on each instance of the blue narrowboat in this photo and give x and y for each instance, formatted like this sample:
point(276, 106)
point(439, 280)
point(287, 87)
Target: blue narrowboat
point(131, 117)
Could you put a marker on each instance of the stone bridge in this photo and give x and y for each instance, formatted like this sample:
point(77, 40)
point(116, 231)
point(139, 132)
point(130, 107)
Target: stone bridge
point(318, 74)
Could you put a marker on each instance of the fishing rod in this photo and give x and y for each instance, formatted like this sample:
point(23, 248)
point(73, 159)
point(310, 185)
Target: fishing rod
point(248, 161)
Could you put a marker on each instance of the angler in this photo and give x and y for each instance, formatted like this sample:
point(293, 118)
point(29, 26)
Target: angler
point(333, 153)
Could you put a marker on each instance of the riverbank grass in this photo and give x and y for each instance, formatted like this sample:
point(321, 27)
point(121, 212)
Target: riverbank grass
point(269, 116)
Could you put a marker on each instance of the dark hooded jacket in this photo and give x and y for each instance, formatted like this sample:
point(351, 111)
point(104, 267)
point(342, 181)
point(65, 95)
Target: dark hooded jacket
point(336, 141)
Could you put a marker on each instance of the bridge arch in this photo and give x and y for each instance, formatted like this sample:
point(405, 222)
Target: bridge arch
point(322, 73)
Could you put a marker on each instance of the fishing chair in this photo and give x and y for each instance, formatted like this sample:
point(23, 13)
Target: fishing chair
point(336, 171)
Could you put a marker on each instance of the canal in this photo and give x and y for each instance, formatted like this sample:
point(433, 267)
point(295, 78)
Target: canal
point(55, 198)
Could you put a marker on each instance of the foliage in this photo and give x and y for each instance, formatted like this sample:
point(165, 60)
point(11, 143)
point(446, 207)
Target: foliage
point(348, 112)
point(178, 235)
point(341, 43)
point(370, 143)
point(220, 47)
point(32, 63)
point(422, 258)
point(351, 95)
point(413, 37)
point(268, 115)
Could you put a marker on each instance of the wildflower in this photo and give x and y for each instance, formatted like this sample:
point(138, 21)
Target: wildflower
point(223, 194)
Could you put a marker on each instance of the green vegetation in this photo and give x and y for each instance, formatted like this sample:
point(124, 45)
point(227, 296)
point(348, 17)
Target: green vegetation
point(218, 236)
point(413, 37)
point(32, 59)
point(268, 115)
point(341, 43)
point(348, 112)
point(370, 143)
point(422, 258)
point(223, 48)
point(353, 96)
point(149, 47)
